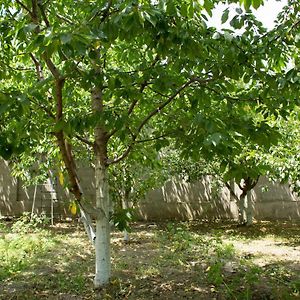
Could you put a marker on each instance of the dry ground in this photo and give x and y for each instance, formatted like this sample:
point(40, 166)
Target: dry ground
point(162, 261)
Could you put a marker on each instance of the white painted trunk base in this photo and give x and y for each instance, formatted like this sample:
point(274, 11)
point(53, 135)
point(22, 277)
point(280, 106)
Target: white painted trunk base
point(102, 241)
point(242, 211)
point(249, 211)
point(102, 250)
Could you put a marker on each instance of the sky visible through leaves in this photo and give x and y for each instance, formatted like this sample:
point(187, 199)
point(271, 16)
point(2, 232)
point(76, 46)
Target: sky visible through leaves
point(266, 13)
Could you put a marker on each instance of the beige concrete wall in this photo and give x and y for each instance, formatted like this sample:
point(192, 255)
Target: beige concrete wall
point(15, 198)
point(275, 201)
point(187, 201)
point(8, 190)
point(177, 199)
point(182, 200)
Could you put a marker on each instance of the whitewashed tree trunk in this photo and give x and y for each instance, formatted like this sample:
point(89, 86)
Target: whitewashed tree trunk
point(125, 206)
point(102, 242)
point(242, 212)
point(125, 199)
point(249, 210)
point(88, 225)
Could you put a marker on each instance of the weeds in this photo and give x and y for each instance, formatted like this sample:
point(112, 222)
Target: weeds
point(22, 242)
point(17, 251)
point(171, 261)
point(30, 222)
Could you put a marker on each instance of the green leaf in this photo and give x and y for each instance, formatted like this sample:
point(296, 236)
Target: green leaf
point(256, 3)
point(149, 18)
point(30, 27)
point(191, 11)
point(208, 6)
point(247, 4)
point(66, 38)
point(225, 16)
point(184, 9)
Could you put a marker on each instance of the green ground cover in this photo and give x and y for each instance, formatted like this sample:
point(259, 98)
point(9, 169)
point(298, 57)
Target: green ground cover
point(189, 260)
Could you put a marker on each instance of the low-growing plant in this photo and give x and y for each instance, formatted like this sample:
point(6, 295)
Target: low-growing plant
point(3, 227)
point(30, 222)
point(18, 250)
point(225, 251)
point(214, 273)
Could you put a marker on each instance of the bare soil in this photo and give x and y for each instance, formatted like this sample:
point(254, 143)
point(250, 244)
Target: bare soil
point(168, 261)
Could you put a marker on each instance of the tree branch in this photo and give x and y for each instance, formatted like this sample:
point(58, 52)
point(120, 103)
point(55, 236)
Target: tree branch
point(155, 112)
point(63, 18)
point(152, 139)
point(159, 93)
point(54, 71)
point(24, 6)
point(40, 5)
point(105, 12)
point(34, 12)
point(142, 87)
point(232, 193)
point(86, 141)
point(229, 97)
point(38, 67)
point(45, 109)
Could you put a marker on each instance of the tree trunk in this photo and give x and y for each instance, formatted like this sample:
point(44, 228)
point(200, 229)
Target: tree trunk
point(242, 212)
point(125, 198)
point(102, 242)
point(125, 206)
point(249, 210)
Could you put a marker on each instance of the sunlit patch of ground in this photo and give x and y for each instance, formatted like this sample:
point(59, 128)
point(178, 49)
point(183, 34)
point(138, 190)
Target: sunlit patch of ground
point(190, 260)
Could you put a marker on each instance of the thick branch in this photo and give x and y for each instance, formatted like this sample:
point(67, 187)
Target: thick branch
point(54, 71)
point(34, 12)
point(232, 193)
point(75, 187)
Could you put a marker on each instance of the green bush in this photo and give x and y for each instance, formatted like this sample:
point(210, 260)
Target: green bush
point(30, 222)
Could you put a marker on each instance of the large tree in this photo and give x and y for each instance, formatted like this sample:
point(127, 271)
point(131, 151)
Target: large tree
point(107, 75)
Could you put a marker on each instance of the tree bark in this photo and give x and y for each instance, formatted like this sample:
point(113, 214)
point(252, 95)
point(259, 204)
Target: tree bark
point(242, 212)
point(249, 210)
point(125, 206)
point(102, 243)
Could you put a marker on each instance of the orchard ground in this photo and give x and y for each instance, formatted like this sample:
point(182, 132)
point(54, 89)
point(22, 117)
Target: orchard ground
point(182, 260)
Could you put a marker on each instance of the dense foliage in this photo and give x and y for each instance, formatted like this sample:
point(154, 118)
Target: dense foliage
point(98, 78)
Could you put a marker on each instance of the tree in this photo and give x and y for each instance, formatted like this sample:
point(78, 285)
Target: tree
point(105, 75)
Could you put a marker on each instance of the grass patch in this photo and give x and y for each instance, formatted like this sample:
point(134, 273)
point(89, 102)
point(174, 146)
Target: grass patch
point(163, 261)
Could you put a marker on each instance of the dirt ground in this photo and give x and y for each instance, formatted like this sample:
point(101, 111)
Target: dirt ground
point(190, 260)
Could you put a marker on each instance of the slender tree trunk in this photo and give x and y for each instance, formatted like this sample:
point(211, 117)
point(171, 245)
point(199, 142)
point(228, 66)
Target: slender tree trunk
point(242, 212)
point(102, 243)
point(125, 198)
point(249, 210)
point(125, 206)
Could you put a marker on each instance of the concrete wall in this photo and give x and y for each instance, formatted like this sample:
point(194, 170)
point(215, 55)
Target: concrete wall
point(15, 198)
point(177, 199)
point(186, 201)
point(276, 202)
point(182, 200)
